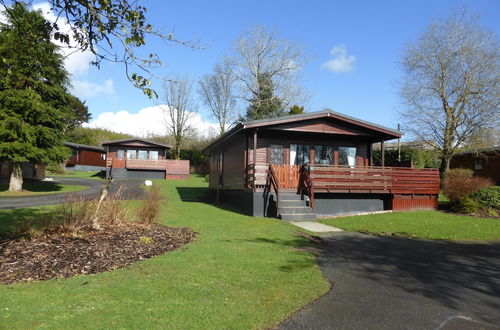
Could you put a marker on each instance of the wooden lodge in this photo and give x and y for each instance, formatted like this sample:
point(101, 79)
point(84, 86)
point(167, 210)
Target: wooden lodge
point(85, 157)
point(313, 165)
point(136, 158)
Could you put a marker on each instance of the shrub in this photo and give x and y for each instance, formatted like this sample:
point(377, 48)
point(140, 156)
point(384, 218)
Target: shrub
point(460, 182)
point(467, 205)
point(489, 196)
point(150, 207)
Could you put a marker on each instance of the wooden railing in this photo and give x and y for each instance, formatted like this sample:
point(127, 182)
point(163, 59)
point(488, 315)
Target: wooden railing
point(306, 185)
point(146, 164)
point(374, 179)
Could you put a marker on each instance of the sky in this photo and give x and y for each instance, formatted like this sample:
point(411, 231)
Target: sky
point(355, 47)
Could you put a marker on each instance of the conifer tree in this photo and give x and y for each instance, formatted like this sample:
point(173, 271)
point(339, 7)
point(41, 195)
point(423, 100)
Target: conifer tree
point(34, 111)
point(265, 104)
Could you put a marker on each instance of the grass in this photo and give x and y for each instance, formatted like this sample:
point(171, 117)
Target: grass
point(241, 272)
point(422, 224)
point(94, 175)
point(31, 188)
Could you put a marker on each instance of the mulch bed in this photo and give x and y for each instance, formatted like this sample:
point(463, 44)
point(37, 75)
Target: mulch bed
point(63, 255)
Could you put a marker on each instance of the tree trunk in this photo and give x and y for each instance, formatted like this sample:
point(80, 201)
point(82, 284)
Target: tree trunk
point(16, 177)
point(444, 166)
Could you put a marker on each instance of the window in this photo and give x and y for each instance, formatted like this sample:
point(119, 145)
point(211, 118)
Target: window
point(347, 156)
point(323, 155)
point(142, 154)
point(103, 156)
point(131, 154)
point(121, 154)
point(299, 154)
point(478, 164)
point(153, 154)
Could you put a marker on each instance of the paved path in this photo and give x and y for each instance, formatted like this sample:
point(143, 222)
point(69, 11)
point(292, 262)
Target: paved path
point(396, 283)
point(131, 190)
point(315, 227)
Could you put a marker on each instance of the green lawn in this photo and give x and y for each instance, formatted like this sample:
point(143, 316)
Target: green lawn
point(39, 188)
point(94, 175)
point(241, 273)
point(422, 224)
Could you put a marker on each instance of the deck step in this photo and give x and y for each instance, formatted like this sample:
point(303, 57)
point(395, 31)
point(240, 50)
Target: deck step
point(287, 203)
point(295, 210)
point(298, 217)
point(290, 197)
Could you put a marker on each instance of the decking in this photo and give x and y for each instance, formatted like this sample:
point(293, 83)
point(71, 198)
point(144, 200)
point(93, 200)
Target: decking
point(406, 188)
point(174, 169)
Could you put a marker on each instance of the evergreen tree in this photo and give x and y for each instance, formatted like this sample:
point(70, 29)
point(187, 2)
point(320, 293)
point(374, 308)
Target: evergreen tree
point(34, 103)
point(296, 110)
point(265, 104)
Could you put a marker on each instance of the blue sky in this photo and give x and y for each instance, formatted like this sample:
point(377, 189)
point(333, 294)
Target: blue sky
point(374, 32)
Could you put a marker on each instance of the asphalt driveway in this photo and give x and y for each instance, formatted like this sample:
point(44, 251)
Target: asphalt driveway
point(130, 190)
point(397, 283)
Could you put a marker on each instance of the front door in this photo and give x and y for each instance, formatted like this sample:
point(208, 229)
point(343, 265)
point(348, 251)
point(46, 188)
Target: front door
point(276, 154)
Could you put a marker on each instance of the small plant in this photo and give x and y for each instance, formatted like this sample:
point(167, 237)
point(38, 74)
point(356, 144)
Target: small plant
point(146, 240)
point(461, 182)
point(150, 207)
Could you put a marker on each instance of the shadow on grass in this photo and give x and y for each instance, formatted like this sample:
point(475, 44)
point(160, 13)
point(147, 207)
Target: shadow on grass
point(195, 194)
point(9, 219)
point(36, 186)
point(458, 275)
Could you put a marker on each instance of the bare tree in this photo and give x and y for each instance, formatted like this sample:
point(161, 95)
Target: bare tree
point(260, 52)
point(450, 86)
point(179, 109)
point(217, 93)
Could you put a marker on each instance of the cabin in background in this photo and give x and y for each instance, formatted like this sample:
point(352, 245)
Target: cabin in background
point(85, 158)
point(484, 162)
point(30, 170)
point(142, 159)
point(313, 165)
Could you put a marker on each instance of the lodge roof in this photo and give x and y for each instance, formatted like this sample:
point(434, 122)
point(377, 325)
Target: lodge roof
point(387, 132)
point(479, 152)
point(120, 141)
point(83, 146)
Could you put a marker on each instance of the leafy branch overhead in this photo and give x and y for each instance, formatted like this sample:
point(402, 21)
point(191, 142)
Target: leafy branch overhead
point(113, 31)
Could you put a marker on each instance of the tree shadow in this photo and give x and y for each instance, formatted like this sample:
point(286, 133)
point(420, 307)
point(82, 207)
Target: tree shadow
point(462, 276)
point(36, 186)
point(195, 194)
point(13, 217)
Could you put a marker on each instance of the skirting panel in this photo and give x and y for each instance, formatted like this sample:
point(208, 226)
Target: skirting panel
point(414, 202)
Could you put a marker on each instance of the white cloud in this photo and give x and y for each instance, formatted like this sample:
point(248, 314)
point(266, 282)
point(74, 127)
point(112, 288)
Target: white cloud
point(85, 89)
point(146, 122)
point(76, 62)
point(341, 61)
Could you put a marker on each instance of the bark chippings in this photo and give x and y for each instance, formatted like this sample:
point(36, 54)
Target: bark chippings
point(62, 255)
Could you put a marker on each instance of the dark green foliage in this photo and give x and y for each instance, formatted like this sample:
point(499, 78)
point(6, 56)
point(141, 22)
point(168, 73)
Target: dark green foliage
point(80, 111)
point(265, 104)
point(93, 136)
point(296, 110)
point(489, 196)
point(195, 156)
point(421, 158)
point(34, 111)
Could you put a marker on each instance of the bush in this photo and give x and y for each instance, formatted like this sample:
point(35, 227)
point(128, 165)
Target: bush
point(150, 207)
point(489, 197)
point(460, 182)
point(55, 169)
point(467, 205)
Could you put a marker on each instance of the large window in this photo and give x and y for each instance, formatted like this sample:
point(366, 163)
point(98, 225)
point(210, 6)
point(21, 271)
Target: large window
point(299, 154)
point(121, 154)
point(153, 154)
point(347, 156)
point(478, 164)
point(142, 154)
point(131, 154)
point(323, 155)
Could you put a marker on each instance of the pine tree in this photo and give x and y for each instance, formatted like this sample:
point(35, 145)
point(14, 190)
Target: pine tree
point(296, 110)
point(265, 104)
point(34, 111)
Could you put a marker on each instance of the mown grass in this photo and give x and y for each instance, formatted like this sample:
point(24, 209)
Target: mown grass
point(422, 224)
point(94, 175)
point(31, 188)
point(240, 273)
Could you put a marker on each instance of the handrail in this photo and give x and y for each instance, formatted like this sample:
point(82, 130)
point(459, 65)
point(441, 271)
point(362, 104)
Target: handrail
point(274, 183)
point(306, 185)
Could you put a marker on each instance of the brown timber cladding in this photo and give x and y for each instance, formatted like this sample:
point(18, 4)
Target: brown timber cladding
point(87, 157)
